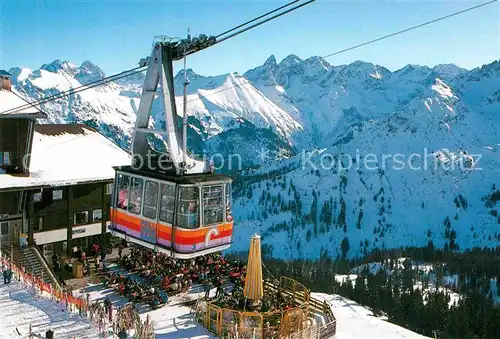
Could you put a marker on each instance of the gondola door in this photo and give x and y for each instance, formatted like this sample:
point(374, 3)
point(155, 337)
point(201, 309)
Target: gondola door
point(149, 220)
point(213, 214)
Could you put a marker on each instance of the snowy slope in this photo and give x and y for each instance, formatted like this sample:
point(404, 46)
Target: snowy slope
point(356, 322)
point(326, 99)
point(20, 309)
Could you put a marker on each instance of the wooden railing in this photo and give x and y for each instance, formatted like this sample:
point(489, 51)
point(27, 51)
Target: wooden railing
point(324, 330)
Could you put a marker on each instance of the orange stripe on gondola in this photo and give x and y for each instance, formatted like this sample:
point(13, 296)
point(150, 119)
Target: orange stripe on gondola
point(133, 225)
point(196, 240)
point(182, 236)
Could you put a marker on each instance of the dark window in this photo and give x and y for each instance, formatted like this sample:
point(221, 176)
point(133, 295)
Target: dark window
point(38, 225)
point(57, 194)
point(150, 199)
point(135, 195)
point(167, 203)
point(5, 158)
point(188, 216)
point(81, 218)
point(80, 191)
point(5, 228)
point(97, 215)
point(123, 188)
point(212, 205)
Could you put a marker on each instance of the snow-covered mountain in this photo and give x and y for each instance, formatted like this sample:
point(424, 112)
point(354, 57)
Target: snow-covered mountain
point(326, 99)
point(445, 114)
point(213, 101)
point(427, 171)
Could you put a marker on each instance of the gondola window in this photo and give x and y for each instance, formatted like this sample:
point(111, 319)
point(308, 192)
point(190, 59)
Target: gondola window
point(167, 203)
point(188, 215)
point(123, 189)
point(212, 205)
point(150, 199)
point(229, 198)
point(135, 202)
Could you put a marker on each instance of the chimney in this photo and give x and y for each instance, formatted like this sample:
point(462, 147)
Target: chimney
point(5, 80)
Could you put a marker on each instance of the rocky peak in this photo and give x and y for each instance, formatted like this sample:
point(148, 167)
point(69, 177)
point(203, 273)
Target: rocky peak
point(89, 72)
point(57, 65)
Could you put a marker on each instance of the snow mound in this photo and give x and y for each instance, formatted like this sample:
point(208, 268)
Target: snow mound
point(356, 322)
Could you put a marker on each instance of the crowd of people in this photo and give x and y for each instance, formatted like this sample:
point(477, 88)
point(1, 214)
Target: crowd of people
point(136, 290)
point(156, 272)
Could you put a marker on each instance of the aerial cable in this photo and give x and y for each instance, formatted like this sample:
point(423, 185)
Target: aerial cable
point(257, 18)
point(370, 42)
point(113, 77)
point(263, 22)
point(409, 29)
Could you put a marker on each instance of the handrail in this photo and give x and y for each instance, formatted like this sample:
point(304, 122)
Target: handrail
point(326, 329)
point(47, 268)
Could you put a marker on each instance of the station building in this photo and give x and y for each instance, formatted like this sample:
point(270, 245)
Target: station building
point(56, 180)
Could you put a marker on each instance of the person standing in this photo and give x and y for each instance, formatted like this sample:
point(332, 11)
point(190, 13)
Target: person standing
point(192, 215)
point(120, 251)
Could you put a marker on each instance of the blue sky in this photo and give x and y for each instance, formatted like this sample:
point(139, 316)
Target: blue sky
point(116, 34)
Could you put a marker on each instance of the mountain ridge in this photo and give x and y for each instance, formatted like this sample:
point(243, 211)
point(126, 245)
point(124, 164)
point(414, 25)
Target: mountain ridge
point(284, 116)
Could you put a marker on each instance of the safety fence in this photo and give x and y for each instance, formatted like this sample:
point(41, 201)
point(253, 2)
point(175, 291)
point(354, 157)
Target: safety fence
point(98, 313)
point(300, 294)
point(292, 322)
point(37, 287)
point(229, 323)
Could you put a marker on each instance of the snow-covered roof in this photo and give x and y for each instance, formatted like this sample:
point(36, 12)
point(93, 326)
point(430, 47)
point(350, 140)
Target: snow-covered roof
point(10, 100)
point(68, 154)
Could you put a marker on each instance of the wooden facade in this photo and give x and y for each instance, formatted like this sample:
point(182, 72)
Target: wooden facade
point(58, 218)
point(69, 216)
point(55, 218)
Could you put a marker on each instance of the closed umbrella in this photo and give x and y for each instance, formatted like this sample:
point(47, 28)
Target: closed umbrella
point(254, 287)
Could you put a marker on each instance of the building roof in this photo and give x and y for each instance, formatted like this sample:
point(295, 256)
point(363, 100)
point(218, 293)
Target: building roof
point(4, 72)
point(10, 100)
point(68, 154)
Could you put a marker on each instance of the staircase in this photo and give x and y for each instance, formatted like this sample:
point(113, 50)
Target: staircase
point(32, 260)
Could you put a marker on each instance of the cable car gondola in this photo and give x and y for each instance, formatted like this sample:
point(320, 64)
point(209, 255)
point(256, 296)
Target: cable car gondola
point(169, 201)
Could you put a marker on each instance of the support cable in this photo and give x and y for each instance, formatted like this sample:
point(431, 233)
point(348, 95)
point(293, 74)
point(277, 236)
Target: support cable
point(78, 89)
point(257, 18)
point(101, 82)
point(139, 69)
